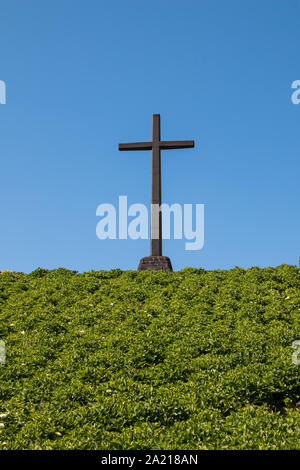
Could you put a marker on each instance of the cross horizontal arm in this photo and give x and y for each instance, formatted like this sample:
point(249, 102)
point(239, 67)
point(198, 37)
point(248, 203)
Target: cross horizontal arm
point(136, 146)
point(176, 144)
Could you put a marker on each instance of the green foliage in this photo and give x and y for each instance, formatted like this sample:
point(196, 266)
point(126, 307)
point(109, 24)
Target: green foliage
point(150, 360)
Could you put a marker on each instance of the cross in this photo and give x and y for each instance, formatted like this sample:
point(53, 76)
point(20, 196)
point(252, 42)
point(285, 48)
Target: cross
point(156, 146)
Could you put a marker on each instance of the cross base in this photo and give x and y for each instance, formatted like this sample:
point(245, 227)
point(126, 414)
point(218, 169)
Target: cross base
point(155, 263)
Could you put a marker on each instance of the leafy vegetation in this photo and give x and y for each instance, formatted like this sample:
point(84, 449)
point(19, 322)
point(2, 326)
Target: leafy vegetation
point(150, 360)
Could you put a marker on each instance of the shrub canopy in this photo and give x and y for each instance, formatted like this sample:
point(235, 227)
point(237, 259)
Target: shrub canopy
point(150, 360)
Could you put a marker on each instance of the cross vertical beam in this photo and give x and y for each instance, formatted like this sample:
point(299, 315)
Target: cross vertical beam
point(156, 219)
point(156, 260)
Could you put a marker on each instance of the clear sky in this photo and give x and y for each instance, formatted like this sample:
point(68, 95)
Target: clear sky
point(82, 76)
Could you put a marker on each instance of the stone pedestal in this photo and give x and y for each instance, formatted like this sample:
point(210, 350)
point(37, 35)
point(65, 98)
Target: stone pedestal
point(155, 263)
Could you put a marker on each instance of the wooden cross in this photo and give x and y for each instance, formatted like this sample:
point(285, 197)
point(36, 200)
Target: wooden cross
point(156, 146)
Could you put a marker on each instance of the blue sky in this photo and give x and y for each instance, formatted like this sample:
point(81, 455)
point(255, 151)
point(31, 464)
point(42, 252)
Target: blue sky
point(82, 76)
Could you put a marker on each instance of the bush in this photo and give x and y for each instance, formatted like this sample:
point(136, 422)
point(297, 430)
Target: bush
point(150, 360)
